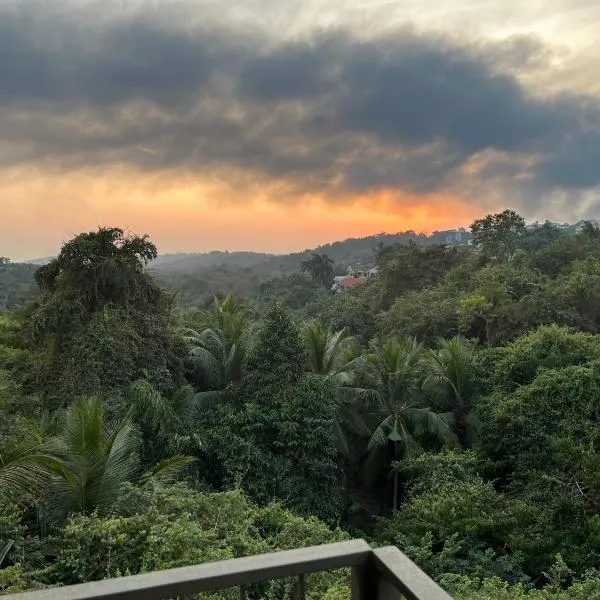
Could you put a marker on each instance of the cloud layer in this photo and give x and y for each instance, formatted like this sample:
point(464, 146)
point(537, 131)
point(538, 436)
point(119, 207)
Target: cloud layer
point(328, 112)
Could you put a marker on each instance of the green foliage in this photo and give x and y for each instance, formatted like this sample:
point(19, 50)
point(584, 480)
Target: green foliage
point(274, 432)
point(333, 355)
point(96, 459)
point(396, 416)
point(499, 235)
point(12, 580)
point(327, 350)
point(539, 237)
point(280, 446)
point(325, 414)
point(450, 373)
point(351, 310)
point(426, 315)
point(454, 521)
point(413, 268)
point(575, 296)
point(162, 528)
point(277, 358)
point(558, 257)
point(101, 321)
point(468, 588)
point(217, 353)
point(295, 291)
point(320, 268)
point(543, 437)
point(550, 347)
point(82, 467)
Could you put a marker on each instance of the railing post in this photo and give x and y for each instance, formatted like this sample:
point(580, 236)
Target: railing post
point(301, 587)
point(387, 591)
point(364, 581)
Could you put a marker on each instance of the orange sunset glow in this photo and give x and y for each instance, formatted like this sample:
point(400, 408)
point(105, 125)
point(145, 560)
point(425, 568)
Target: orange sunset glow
point(281, 129)
point(183, 214)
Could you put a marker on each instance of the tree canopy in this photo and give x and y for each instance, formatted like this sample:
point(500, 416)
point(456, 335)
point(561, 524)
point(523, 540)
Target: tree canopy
point(449, 407)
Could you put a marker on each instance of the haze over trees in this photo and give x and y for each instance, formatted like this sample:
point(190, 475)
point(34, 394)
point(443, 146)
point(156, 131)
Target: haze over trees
point(449, 406)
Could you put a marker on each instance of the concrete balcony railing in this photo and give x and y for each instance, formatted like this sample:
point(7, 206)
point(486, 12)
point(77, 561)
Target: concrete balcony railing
point(380, 574)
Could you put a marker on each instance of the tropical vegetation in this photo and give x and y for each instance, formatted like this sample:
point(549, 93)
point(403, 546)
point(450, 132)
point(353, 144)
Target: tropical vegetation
point(449, 406)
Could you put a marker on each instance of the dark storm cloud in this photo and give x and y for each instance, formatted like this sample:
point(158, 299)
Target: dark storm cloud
point(46, 60)
point(402, 110)
point(296, 71)
point(418, 94)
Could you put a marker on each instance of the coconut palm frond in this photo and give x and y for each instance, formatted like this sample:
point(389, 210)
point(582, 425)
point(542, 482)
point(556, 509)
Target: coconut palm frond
point(424, 420)
point(167, 470)
point(149, 402)
point(5, 550)
point(381, 434)
point(26, 467)
point(118, 465)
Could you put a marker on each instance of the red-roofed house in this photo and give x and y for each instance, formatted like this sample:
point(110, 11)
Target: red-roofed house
point(346, 283)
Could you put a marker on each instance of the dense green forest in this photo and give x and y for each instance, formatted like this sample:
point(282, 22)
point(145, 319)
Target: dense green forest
point(199, 277)
point(450, 406)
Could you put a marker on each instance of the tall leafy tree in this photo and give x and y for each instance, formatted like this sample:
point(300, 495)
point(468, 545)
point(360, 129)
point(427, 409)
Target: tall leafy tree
point(413, 268)
point(499, 235)
point(395, 410)
point(102, 321)
point(320, 268)
point(544, 438)
point(273, 433)
point(277, 357)
point(541, 236)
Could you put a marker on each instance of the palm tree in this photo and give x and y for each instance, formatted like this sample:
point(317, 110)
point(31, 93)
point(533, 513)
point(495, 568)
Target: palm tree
point(82, 467)
point(94, 459)
point(326, 350)
point(395, 412)
point(320, 268)
point(219, 350)
point(449, 370)
point(168, 421)
point(332, 355)
point(26, 465)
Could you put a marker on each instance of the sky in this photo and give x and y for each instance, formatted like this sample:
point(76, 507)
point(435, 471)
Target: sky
point(277, 125)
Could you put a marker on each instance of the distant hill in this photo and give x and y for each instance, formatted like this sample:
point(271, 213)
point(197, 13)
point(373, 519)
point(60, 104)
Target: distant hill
point(349, 252)
point(197, 276)
point(185, 262)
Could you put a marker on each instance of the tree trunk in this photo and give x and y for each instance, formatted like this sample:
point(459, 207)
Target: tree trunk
point(395, 504)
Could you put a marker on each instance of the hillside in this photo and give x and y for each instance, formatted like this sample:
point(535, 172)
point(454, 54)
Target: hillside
point(348, 251)
point(199, 276)
point(196, 277)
